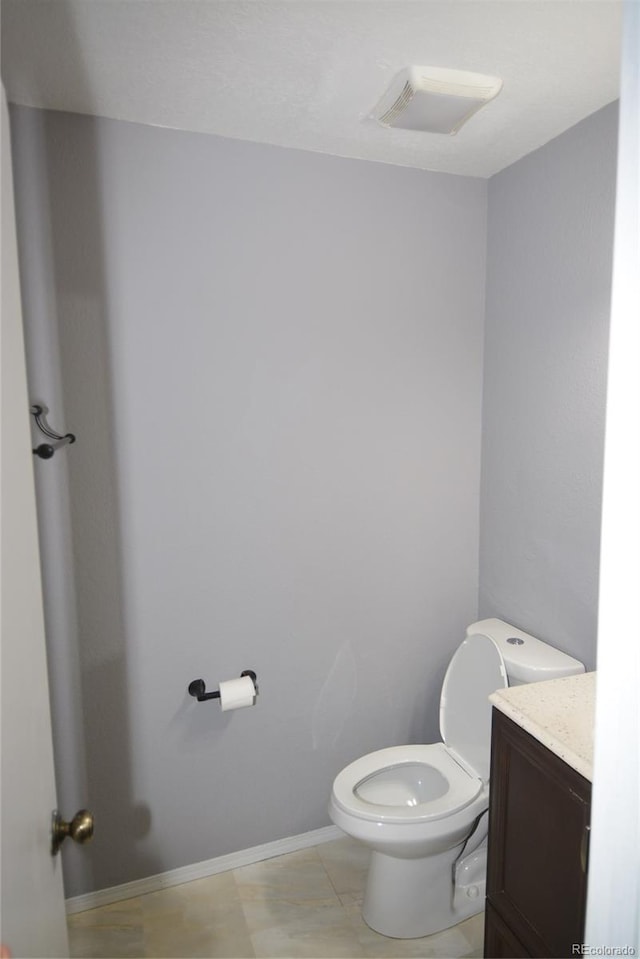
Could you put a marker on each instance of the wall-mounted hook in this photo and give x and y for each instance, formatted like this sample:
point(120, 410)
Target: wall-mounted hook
point(46, 450)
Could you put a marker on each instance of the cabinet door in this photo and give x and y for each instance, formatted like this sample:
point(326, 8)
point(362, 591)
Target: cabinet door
point(499, 941)
point(538, 828)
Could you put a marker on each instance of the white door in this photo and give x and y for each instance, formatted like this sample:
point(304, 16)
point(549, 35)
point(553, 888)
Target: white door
point(32, 910)
point(613, 901)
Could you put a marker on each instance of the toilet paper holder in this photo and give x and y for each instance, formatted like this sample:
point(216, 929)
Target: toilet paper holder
point(197, 687)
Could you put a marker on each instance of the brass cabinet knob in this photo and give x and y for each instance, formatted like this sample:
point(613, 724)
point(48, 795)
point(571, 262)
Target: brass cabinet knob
point(80, 829)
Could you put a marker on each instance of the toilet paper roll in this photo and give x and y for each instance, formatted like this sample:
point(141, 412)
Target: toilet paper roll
point(237, 693)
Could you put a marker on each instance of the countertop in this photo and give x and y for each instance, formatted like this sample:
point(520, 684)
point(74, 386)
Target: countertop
point(559, 713)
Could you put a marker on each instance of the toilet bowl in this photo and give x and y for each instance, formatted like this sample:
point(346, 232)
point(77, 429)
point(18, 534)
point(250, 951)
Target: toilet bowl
point(407, 801)
point(422, 809)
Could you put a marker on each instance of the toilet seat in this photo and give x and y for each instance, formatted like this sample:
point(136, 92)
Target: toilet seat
point(476, 670)
point(424, 783)
point(363, 788)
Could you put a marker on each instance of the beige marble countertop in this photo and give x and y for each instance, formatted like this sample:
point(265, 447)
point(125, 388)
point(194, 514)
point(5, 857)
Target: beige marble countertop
point(559, 713)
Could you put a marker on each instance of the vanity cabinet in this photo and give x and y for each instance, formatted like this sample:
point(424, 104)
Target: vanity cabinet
point(538, 844)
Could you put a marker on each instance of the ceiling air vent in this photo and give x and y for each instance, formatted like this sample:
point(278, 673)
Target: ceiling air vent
point(434, 99)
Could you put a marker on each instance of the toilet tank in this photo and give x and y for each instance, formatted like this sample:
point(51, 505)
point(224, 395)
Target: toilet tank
point(527, 659)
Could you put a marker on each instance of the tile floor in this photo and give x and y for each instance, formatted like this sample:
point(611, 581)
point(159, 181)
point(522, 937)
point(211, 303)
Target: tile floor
point(304, 904)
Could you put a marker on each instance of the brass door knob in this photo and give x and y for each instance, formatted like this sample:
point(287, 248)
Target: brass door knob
point(80, 829)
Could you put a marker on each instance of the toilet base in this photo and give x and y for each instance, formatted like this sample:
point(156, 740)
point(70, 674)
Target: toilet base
point(412, 898)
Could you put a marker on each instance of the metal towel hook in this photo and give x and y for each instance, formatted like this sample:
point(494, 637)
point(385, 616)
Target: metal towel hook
point(46, 450)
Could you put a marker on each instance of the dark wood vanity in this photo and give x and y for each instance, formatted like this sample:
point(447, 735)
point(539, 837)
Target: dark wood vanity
point(538, 848)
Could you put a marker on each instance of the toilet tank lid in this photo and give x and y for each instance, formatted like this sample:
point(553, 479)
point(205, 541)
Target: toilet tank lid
point(527, 659)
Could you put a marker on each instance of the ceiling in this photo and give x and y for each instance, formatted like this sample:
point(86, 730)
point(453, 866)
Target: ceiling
point(307, 73)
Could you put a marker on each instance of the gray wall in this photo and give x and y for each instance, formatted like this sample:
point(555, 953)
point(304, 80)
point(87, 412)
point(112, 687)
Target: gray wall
point(272, 361)
point(547, 319)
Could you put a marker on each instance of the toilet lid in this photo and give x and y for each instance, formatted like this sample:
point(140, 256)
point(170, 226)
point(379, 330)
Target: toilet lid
point(476, 670)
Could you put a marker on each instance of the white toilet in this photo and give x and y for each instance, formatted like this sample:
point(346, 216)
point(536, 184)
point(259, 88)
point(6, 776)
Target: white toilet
point(423, 809)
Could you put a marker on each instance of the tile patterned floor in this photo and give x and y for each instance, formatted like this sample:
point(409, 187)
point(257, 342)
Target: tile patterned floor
point(305, 904)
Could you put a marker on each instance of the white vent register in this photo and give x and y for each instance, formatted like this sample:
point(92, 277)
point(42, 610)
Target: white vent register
point(435, 99)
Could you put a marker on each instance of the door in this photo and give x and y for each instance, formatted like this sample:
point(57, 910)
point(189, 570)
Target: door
point(613, 905)
point(32, 907)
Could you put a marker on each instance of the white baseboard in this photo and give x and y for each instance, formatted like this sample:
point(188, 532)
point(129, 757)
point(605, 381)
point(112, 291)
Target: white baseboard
point(200, 870)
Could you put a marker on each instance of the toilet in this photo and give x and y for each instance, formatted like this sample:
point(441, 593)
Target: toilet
point(423, 809)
